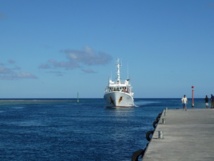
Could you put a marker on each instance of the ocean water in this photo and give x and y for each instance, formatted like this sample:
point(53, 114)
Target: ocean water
point(64, 130)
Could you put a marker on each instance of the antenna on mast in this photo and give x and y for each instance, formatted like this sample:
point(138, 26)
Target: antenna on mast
point(118, 70)
point(127, 72)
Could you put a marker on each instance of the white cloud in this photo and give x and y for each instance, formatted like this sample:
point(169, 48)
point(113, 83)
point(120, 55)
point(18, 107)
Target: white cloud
point(78, 59)
point(25, 75)
point(12, 72)
point(88, 71)
point(87, 57)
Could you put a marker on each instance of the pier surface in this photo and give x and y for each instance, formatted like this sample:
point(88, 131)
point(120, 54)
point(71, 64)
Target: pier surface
point(187, 136)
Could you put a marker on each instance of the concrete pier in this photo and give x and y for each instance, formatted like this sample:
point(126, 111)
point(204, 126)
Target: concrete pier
point(183, 136)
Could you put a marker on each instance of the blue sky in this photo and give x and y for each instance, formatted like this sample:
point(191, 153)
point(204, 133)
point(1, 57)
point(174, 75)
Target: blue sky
point(56, 48)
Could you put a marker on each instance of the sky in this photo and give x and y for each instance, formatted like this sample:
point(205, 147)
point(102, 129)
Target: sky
point(58, 48)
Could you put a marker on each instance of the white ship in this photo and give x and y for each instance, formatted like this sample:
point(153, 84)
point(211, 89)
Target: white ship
point(119, 93)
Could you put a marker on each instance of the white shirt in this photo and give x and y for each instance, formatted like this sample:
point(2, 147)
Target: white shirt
point(184, 100)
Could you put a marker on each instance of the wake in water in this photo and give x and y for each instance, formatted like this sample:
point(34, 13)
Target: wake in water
point(139, 103)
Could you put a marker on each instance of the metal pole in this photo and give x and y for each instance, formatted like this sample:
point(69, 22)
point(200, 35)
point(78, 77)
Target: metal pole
point(192, 96)
point(160, 134)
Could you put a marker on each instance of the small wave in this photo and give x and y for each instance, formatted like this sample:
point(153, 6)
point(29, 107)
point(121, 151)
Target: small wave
point(18, 107)
point(30, 123)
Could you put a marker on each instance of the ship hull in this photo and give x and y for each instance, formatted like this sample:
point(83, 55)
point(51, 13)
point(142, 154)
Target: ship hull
point(118, 99)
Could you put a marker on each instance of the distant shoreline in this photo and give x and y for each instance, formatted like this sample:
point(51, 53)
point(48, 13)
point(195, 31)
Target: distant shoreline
point(35, 99)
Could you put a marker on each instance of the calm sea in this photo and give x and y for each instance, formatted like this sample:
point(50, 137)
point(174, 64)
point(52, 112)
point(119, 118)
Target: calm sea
point(64, 130)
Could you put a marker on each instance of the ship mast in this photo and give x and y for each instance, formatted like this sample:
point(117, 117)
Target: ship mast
point(118, 71)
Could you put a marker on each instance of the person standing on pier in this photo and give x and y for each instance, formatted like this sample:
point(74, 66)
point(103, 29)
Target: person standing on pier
point(212, 101)
point(206, 101)
point(184, 102)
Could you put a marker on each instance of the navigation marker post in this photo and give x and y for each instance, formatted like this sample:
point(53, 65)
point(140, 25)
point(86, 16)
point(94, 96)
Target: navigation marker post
point(192, 96)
